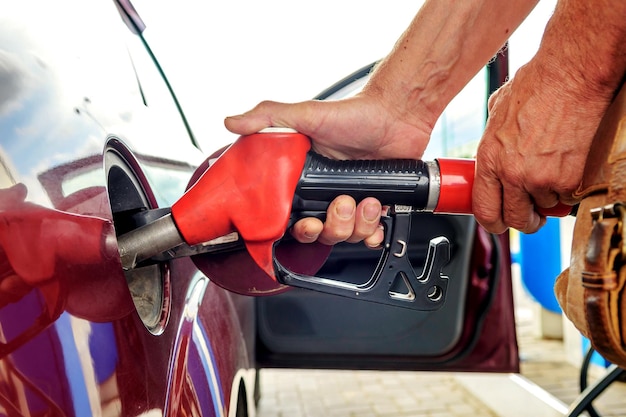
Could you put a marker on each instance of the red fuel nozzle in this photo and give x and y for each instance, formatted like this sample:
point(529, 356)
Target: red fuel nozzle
point(249, 189)
point(264, 182)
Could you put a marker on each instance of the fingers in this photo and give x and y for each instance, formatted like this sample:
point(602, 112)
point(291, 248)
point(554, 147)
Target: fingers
point(307, 230)
point(523, 165)
point(519, 210)
point(514, 209)
point(544, 198)
point(345, 222)
point(500, 203)
point(348, 222)
point(340, 221)
point(367, 227)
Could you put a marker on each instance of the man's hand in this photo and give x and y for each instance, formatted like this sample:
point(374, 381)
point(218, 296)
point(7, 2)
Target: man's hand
point(345, 222)
point(365, 126)
point(533, 151)
point(360, 127)
point(542, 122)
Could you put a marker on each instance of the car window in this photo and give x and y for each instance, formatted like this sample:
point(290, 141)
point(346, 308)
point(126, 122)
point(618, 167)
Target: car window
point(458, 130)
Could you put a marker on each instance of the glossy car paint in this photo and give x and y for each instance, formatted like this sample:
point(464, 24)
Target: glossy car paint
point(81, 107)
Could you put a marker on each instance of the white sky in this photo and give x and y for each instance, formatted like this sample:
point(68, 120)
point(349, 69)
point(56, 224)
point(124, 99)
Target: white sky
point(224, 57)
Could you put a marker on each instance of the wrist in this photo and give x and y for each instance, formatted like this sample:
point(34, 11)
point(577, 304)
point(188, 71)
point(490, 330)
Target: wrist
point(402, 100)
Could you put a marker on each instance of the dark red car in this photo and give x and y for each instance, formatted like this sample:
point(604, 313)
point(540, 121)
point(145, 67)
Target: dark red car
point(93, 142)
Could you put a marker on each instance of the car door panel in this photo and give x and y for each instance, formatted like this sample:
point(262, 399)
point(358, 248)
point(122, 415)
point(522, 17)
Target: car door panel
point(345, 325)
point(307, 329)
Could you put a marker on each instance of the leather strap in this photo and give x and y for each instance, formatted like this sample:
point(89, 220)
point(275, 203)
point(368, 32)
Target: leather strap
point(604, 274)
point(603, 286)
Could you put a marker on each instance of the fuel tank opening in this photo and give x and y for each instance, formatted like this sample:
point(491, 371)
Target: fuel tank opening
point(129, 195)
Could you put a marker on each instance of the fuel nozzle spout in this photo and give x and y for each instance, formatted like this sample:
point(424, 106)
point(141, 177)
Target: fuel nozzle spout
point(148, 241)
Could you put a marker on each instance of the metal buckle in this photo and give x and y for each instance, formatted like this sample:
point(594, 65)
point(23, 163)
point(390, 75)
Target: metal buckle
point(613, 211)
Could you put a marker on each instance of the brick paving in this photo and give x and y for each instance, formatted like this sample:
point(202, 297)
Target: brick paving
point(296, 393)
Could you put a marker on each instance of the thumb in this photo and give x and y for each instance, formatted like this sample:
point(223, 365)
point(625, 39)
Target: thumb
point(245, 125)
point(260, 117)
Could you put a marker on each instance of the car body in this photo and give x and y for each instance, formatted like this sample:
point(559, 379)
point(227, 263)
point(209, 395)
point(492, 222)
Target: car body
point(92, 139)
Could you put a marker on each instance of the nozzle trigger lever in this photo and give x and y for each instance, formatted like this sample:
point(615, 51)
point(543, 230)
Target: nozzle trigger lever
point(394, 281)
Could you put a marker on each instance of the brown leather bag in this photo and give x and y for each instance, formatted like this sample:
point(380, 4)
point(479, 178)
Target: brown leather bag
point(591, 290)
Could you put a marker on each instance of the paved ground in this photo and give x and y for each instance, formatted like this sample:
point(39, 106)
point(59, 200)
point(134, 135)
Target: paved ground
point(295, 393)
point(544, 364)
point(365, 394)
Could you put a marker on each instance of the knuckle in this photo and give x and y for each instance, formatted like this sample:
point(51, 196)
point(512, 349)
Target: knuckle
point(336, 233)
point(265, 105)
point(490, 220)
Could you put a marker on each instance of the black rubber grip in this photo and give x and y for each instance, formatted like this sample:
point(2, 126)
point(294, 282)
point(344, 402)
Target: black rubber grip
point(397, 181)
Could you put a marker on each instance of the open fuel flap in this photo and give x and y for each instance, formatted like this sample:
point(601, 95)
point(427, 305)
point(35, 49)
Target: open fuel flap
point(131, 198)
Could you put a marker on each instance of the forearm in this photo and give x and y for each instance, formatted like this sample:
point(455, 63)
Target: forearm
point(447, 43)
point(583, 49)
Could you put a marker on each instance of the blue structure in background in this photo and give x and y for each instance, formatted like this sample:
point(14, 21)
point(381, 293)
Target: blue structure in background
point(540, 263)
